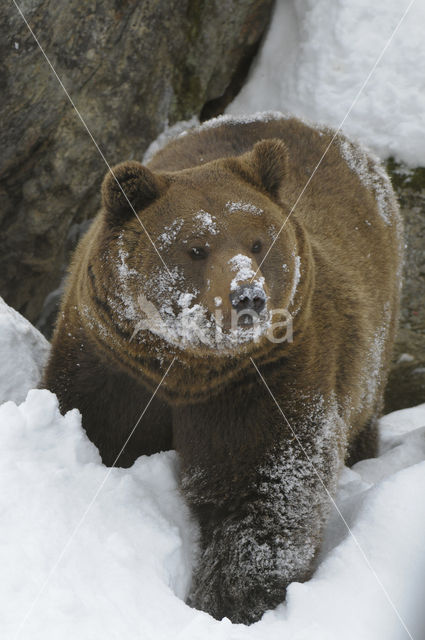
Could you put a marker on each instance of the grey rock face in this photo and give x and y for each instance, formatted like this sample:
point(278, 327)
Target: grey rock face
point(131, 68)
point(406, 385)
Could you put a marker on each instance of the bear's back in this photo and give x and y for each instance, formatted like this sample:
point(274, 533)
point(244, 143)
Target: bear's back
point(225, 137)
point(336, 188)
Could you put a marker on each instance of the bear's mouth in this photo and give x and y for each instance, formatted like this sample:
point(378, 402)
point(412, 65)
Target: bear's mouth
point(245, 321)
point(194, 327)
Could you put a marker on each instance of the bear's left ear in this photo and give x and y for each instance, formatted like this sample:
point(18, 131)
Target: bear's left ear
point(266, 165)
point(269, 160)
point(129, 186)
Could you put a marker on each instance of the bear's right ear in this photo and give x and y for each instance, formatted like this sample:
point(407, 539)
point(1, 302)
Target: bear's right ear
point(129, 186)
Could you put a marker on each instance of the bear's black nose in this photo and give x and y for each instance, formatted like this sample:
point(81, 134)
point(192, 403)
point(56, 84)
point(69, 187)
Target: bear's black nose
point(248, 297)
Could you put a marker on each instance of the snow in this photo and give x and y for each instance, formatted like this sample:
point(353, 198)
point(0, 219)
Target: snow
point(246, 207)
point(297, 277)
point(125, 555)
point(166, 308)
point(189, 326)
point(23, 351)
point(243, 266)
point(205, 222)
point(242, 118)
point(92, 552)
point(371, 174)
point(193, 325)
point(126, 307)
point(169, 235)
point(319, 54)
point(169, 133)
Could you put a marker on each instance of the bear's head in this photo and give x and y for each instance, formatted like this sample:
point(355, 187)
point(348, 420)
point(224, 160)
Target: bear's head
point(187, 252)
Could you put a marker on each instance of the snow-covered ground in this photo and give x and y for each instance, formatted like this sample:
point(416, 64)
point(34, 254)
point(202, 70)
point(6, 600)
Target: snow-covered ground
point(318, 55)
point(95, 553)
point(23, 352)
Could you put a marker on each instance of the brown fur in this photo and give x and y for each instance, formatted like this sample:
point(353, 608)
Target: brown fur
point(254, 487)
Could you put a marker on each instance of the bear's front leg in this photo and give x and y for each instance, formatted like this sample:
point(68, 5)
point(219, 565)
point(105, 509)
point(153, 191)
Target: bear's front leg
point(261, 516)
point(111, 402)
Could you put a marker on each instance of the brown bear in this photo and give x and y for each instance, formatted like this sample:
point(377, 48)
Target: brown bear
point(297, 232)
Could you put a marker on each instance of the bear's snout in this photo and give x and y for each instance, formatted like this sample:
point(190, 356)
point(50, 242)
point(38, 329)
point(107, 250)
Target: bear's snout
point(248, 298)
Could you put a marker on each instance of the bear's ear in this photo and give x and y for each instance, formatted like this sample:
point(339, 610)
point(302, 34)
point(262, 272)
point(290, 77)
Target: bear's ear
point(269, 161)
point(129, 186)
point(265, 166)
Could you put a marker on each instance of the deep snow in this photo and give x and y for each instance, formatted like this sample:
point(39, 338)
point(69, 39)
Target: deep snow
point(92, 552)
point(319, 53)
point(23, 352)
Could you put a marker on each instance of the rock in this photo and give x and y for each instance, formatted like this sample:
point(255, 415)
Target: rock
point(406, 385)
point(131, 69)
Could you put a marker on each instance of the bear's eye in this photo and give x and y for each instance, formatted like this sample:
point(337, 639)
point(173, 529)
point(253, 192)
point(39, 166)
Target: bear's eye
point(198, 253)
point(256, 247)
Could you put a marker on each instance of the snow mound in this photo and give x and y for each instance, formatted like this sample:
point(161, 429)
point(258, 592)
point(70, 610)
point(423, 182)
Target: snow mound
point(319, 53)
point(23, 354)
point(117, 533)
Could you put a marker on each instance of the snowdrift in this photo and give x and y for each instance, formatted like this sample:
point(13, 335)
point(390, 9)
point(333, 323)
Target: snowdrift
point(324, 58)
